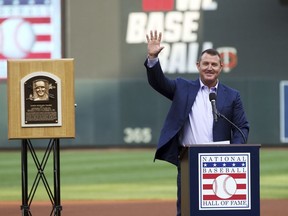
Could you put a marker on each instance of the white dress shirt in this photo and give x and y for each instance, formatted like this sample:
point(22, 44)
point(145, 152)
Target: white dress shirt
point(198, 128)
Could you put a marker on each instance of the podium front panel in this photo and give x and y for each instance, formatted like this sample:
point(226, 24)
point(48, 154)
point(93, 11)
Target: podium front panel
point(220, 180)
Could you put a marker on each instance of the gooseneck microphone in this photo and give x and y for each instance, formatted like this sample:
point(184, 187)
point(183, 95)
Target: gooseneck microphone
point(212, 98)
point(216, 114)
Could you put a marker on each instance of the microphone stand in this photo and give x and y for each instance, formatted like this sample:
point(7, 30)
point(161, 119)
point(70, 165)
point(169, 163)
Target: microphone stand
point(235, 126)
point(183, 150)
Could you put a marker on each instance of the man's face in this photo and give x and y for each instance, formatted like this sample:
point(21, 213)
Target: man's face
point(40, 88)
point(209, 69)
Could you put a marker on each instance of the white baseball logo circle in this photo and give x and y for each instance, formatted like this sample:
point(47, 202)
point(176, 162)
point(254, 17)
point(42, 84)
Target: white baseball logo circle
point(224, 186)
point(16, 38)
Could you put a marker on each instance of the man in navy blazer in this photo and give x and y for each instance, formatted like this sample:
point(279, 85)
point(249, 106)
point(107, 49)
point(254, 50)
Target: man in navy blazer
point(190, 118)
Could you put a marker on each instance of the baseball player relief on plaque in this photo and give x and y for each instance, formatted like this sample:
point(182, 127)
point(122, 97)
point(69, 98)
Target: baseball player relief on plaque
point(40, 100)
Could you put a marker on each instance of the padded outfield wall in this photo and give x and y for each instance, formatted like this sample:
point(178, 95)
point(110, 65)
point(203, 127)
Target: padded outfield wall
point(116, 106)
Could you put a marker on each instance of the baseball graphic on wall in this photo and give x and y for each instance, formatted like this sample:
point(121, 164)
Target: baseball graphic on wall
point(224, 186)
point(16, 38)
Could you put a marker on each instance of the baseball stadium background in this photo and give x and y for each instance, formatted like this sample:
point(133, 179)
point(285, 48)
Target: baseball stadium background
point(116, 108)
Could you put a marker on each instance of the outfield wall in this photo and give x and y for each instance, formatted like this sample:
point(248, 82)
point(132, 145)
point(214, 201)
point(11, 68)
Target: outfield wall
point(116, 106)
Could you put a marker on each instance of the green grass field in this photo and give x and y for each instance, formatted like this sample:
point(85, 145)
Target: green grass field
point(124, 174)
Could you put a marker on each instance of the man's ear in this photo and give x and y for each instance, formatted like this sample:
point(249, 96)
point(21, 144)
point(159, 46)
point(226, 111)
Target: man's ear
point(221, 64)
point(197, 64)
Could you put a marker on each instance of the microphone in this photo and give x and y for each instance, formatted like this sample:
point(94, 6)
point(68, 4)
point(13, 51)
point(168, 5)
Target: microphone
point(212, 98)
point(216, 114)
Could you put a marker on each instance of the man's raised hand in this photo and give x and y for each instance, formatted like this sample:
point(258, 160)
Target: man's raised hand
point(153, 44)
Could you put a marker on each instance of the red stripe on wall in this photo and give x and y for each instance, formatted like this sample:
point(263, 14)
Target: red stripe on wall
point(43, 37)
point(38, 20)
point(34, 20)
point(157, 5)
point(39, 55)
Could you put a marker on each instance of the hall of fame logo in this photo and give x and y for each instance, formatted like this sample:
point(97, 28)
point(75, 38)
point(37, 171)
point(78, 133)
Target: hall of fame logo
point(224, 181)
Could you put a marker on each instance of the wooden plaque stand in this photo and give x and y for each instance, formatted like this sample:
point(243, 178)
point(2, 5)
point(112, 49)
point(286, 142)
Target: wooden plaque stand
point(41, 106)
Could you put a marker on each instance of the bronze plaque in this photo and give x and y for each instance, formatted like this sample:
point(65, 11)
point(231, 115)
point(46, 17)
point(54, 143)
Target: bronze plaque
point(41, 102)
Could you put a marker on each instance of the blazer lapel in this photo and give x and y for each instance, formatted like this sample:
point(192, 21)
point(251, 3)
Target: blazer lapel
point(192, 93)
point(221, 96)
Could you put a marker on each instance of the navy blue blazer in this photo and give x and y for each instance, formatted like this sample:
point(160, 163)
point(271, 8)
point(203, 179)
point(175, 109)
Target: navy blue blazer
point(182, 93)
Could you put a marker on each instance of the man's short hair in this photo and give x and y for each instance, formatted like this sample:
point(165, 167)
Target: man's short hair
point(212, 52)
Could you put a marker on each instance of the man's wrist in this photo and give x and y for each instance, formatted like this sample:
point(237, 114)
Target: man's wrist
point(151, 57)
point(151, 62)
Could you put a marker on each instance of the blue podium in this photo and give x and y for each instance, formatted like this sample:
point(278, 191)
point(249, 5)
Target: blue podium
point(220, 180)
